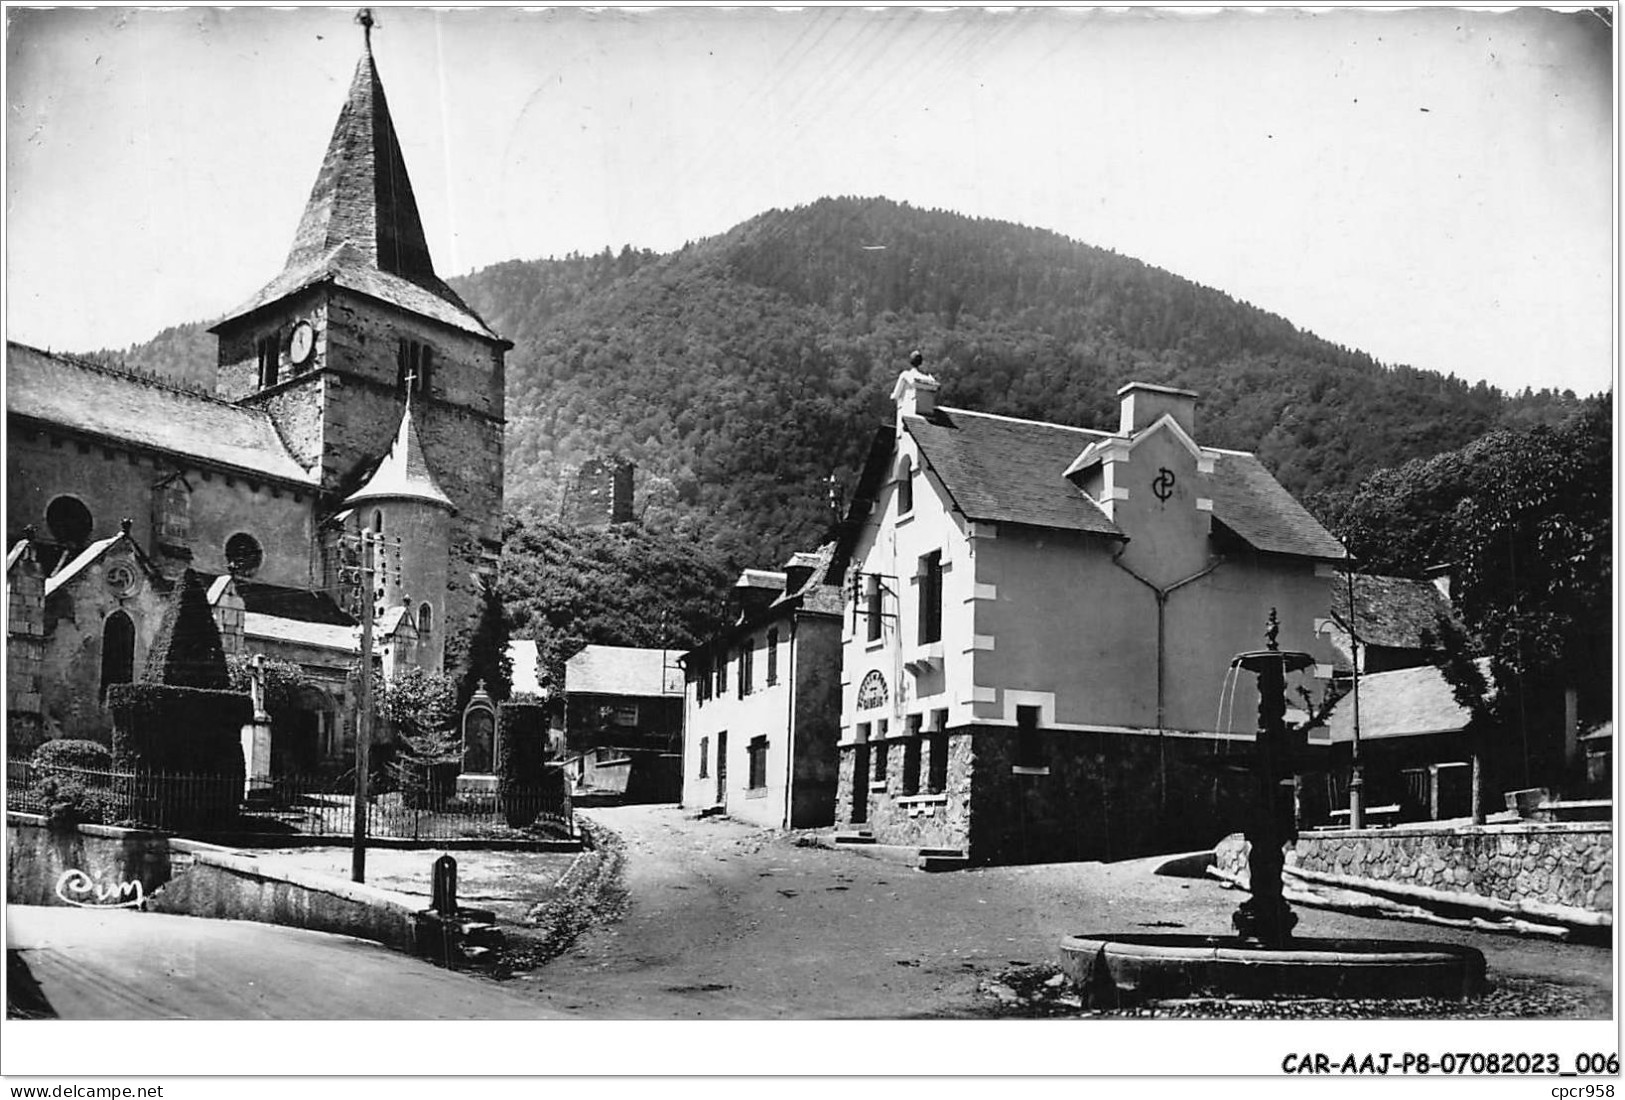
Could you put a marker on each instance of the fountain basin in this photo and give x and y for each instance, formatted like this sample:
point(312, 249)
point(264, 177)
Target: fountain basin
point(1114, 970)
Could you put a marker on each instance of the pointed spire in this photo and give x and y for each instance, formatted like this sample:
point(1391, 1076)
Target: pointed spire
point(363, 196)
point(404, 473)
point(361, 228)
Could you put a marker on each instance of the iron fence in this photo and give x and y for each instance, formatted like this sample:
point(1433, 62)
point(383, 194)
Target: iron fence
point(206, 805)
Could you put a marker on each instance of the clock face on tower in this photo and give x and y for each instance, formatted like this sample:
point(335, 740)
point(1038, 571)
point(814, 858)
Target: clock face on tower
point(302, 342)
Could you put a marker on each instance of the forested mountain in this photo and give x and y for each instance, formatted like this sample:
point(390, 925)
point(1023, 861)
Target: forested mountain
point(741, 372)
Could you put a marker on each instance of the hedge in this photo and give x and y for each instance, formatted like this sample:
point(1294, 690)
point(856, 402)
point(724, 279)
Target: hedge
point(521, 753)
point(191, 736)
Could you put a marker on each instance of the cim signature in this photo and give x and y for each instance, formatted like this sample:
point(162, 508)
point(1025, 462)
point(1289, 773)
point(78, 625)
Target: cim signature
point(77, 888)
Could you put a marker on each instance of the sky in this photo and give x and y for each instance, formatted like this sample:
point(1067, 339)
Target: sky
point(1434, 187)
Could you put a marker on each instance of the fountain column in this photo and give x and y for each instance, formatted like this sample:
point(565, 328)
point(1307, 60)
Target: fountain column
point(1265, 917)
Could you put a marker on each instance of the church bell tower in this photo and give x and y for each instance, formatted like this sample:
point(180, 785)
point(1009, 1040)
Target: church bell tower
point(356, 327)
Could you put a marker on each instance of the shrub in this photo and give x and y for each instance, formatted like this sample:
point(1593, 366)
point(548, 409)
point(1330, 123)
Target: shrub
point(69, 801)
point(69, 752)
point(186, 651)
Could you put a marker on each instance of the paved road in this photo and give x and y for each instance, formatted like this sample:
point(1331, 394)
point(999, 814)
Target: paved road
point(118, 964)
point(727, 921)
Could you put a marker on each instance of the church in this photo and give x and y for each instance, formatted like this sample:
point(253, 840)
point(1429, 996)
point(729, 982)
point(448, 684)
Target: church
point(354, 391)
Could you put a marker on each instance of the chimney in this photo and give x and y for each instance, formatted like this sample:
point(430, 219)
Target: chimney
point(916, 391)
point(1143, 404)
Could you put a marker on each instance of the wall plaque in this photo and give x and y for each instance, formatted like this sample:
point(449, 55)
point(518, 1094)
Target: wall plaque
point(872, 691)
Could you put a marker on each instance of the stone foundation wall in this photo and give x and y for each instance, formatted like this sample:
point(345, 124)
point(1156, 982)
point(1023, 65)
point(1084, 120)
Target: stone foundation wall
point(1567, 864)
point(1099, 796)
point(1106, 796)
point(921, 820)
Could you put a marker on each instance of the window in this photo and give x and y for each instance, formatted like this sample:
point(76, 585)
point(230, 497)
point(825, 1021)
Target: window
point(624, 714)
point(413, 363)
point(936, 780)
point(269, 348)
point(705, 757)
point(243, 555)
point(378, 522)
point(425, 621)
point(722, 673)
point(773, 656)
point(905, 486)
point(881, 752)
point(747, 660)
point(911, 756)
point(931, 597)
point(871, 588)
point(118, 651)
point(69, 521)
point(757, 751)
point(1029, 749)
point(702, 680)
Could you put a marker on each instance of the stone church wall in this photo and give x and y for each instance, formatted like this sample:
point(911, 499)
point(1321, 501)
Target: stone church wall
point(115, 482)
point(75, 616)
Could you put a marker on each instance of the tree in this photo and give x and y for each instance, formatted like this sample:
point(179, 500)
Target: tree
point(1524, 519)
point(488, 661)
point(420, 710)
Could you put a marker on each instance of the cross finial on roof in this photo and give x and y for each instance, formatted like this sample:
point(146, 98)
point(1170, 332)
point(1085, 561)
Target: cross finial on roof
point(364, 17)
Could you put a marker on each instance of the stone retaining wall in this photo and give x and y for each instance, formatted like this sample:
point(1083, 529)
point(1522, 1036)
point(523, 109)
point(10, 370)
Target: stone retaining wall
point(99, 865)
point(1568, 864)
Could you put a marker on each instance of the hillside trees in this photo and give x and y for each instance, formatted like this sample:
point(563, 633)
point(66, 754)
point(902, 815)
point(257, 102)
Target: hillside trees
point(631, 586)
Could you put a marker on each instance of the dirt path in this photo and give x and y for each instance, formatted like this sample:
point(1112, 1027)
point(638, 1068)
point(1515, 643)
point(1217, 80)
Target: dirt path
point(727, 921)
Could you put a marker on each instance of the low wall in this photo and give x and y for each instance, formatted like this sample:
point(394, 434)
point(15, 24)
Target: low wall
point(100, 866)
point(1529, 866)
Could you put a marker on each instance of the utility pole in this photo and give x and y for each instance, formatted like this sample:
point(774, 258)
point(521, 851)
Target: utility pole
point(363, 724)
point(1356, 769)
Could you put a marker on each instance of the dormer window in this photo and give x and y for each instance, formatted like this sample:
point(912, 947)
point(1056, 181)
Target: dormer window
point(270, 352)
point(414, 361)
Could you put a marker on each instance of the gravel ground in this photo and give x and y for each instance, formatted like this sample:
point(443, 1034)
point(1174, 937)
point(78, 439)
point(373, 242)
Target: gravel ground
point(724, 921)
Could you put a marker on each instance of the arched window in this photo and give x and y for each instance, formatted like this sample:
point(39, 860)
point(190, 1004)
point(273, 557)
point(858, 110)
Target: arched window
point(425, 621)
point(905, 485)
point(378, 522)
point(118, 651)
point(243, 555)
point(69, 521)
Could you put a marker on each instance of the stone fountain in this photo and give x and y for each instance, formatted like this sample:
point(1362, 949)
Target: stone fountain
point(1263, 959)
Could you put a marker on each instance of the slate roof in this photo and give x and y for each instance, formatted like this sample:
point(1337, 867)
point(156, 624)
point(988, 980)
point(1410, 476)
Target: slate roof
point(282, 602)
point(1248, 500)
point(623, 670)
point(1013, 471)
point(403, 474)
point(346, 639)
point(1407, 702)
point(1389, 611)
point(361, 229)
point(131, 409)
point(1010, 471)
